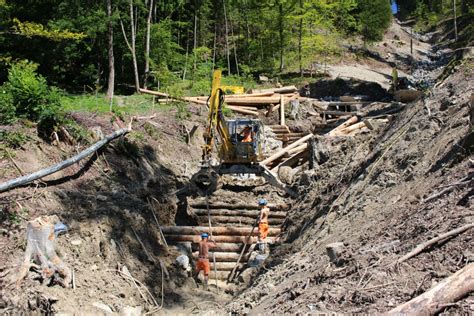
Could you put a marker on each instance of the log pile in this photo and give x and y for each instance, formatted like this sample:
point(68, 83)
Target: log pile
point(233, 229)
point(268, 100)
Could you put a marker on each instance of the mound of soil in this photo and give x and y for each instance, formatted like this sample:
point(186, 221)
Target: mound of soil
point(334, 88)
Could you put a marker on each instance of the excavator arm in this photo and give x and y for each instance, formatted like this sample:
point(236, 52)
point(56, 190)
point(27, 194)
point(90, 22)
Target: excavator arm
point(216, 120)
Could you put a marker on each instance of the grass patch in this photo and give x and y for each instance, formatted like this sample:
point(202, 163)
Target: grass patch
point(133, 104)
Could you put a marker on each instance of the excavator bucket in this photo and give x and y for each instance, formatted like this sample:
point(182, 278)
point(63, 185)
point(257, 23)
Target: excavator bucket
point(205, 181)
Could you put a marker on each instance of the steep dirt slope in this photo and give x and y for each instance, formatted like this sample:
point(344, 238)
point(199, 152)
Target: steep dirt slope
point(102, 200)
point(370, 196)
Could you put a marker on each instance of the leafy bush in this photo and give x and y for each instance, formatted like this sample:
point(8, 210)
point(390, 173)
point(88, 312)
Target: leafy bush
point(30, 94)
point(7, 109)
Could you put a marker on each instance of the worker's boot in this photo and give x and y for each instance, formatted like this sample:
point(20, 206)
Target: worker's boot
point(205, 284)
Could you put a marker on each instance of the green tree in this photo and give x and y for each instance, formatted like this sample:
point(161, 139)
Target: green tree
point(375, 17)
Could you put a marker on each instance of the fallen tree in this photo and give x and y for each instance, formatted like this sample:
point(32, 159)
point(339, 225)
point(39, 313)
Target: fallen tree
point(445, 292)
point(5, 186)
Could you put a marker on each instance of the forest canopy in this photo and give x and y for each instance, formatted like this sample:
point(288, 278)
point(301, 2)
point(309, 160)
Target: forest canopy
point(161, 42)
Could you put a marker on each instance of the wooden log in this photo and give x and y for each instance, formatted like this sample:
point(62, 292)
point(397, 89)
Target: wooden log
point(226, 220)
point(162, 94)
point(248, 95)
point(219, 230)
point(5, 186)
point(201, 203)
point(282, 152)
point(238, 213)
point(349, 129)
point(449, 290)
point(226, 266)
point(293, 160)
point(347, 123)
point(282, 111)
point(286, 89)
point(242, 111)
point(223, 257)
point(340, 113)
point(254, 100)
point(220, 275)
point(298, 149)
point(220, 247)
point(217, 239)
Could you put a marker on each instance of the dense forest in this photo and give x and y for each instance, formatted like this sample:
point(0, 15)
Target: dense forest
point(98, 46)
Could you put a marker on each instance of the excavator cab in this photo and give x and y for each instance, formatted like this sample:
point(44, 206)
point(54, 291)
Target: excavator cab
point(247, 139)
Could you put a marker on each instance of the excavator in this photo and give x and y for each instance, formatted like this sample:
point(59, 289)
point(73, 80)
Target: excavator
point(240, 143)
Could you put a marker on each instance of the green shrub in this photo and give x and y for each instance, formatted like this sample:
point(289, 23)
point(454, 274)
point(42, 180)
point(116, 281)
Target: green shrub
point(182, 112)
point(7, 109)
point(29, 92)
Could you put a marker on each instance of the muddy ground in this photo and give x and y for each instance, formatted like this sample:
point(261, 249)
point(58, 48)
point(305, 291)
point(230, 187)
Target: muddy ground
point(369, 195)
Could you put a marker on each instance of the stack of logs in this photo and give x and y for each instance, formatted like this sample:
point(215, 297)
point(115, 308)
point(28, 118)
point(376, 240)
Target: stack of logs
point(233, 230)
point(269, 100)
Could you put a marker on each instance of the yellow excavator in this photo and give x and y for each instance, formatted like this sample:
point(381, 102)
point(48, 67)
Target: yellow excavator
point(240, 143)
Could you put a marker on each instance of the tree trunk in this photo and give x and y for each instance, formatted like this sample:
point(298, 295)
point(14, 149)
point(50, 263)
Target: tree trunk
point(280, 29)
point(131, 46)
point(300, 40)
point(214, 48)
point(110, 37)
point(194, 43)
point(134, 51)
point(147, 46)
point(235, 48)
point(226, 38)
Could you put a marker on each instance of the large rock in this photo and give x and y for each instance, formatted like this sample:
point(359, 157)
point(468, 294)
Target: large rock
point(407, 96)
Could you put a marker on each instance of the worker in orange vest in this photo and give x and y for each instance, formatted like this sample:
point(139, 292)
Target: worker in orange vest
point(203, 260)
point(263, 224)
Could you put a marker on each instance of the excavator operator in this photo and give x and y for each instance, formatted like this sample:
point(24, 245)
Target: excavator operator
point(247, 134)
point(203, 260)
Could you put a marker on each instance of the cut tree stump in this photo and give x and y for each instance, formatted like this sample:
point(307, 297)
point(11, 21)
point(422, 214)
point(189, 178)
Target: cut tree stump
point(40, 249)
point(335, 251)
